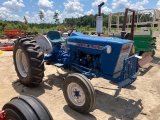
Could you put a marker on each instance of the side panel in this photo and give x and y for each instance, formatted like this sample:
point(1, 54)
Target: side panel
point(108, 61)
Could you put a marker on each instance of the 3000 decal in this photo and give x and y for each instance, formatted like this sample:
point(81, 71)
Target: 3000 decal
point(98, 47)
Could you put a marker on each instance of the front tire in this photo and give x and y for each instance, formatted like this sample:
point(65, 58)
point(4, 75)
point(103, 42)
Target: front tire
point(28, 62)
point(79, 93)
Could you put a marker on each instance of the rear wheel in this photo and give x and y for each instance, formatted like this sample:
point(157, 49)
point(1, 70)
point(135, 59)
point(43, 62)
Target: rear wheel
point(79, 93)
point(26, 108)
point(28, 62)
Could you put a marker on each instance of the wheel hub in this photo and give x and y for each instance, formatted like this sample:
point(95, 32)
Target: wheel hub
point(21, 63)
point(76, 94)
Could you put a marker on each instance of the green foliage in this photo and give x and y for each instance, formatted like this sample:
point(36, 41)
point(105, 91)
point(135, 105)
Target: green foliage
point(87, 28)
point(82, 24)
point(41, 15)
point(105, 29)
point(9, 26)
point(56, 14)
point(34, 29)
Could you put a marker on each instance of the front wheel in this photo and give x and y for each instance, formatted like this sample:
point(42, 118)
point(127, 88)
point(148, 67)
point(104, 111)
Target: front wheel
point(79, 93)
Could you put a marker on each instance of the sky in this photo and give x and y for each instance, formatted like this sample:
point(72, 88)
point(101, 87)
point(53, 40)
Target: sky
point(17, 9)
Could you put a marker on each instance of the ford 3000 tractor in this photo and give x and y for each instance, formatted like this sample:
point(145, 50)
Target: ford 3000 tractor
point(88, 56)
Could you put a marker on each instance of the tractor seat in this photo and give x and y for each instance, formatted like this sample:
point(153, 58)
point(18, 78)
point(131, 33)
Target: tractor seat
point(54, 37)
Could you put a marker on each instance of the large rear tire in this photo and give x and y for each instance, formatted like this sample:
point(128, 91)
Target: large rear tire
point(26, 108)
point(79, 93)
point(28, 62)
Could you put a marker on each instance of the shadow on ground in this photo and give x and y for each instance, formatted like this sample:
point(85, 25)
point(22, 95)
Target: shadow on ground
point(48, 83)
point(156, 60)
point(117, 106)
point(143, 71)
point(78, 116)
point(35, 91)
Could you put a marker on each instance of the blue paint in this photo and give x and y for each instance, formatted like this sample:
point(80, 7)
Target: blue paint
point(87, 55)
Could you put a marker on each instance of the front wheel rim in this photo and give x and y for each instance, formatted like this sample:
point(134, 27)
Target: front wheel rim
point(21, 63)
point(76, 94)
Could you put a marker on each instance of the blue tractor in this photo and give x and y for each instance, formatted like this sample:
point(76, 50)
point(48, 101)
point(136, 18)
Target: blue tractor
point(88, 56)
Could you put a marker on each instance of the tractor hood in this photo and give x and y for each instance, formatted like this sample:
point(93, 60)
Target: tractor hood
point(95, 40)
point(97, 45)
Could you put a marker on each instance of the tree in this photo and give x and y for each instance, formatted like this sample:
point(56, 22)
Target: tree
point(104, 29)
point(25, 20)
point(41, 15)
point(56, 14)
point(9, 26)
point(87, 27)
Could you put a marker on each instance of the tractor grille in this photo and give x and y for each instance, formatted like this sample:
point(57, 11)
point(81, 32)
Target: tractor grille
point(125, 50)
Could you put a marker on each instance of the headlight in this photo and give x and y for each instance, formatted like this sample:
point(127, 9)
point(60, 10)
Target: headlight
point(108, 49)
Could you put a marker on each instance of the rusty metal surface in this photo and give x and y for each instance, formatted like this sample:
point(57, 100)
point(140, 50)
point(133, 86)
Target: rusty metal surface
point(125, 21)
point(146, 58)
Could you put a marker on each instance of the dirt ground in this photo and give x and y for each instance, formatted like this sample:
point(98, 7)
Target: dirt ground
point(140, 101)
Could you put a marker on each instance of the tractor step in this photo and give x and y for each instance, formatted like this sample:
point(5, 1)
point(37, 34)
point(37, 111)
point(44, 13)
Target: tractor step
point(58, 65)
